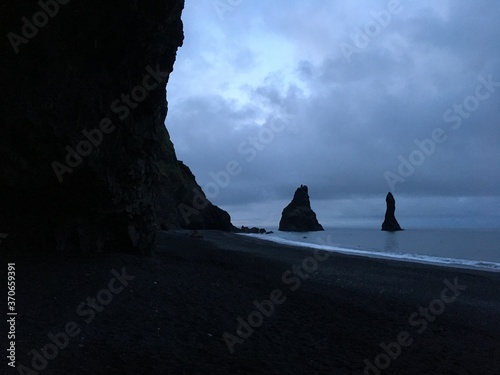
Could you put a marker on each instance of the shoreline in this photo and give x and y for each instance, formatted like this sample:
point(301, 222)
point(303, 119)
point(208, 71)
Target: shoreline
point(457, 263)
point(180, 307)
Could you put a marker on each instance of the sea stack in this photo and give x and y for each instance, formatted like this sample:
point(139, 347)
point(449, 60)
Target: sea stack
point(298, 215)
point(390, 223)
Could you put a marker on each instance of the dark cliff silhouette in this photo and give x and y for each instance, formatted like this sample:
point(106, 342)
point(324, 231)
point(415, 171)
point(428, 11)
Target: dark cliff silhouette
point(87, 163)
point(298, 215)
point(390, 223)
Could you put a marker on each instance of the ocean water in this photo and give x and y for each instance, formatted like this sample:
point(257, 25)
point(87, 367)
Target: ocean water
point(466, 248)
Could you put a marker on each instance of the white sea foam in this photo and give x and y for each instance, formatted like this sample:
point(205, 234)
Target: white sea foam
point(421, 252)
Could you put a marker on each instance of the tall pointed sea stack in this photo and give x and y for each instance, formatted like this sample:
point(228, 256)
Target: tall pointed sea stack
point(298, 215)
point(390, 223)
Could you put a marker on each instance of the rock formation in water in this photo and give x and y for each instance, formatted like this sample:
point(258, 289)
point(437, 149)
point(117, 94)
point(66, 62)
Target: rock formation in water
point(252, 230)
point(298, 215)
point(390, 223)
point(86, 161)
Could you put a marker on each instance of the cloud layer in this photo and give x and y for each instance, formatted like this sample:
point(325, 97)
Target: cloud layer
point(351, 98)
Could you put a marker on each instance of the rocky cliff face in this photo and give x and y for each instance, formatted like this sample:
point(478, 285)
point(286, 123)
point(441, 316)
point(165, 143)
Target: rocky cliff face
point(390, 223)
point(298, 215)
point(86, 161)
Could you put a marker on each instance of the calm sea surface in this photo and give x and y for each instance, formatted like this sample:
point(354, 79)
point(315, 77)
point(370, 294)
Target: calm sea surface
point(470, 248)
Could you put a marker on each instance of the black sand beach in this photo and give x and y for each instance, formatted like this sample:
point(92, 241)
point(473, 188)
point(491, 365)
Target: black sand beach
point(168, 314)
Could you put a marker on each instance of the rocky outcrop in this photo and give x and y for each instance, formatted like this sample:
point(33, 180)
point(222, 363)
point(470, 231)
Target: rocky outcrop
point(252, 230)
point(196, 211)
point(390, 223)
point(86, 161)
point(298, 215)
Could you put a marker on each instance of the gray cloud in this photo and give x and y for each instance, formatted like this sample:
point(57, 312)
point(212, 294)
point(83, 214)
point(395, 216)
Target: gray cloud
point(347, 123)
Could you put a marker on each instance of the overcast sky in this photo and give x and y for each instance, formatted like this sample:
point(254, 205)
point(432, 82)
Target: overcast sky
point(352, 98)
